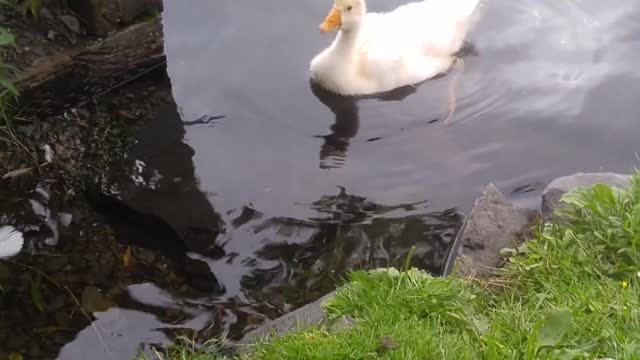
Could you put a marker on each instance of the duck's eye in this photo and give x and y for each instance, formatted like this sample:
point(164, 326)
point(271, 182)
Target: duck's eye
point(349, 8)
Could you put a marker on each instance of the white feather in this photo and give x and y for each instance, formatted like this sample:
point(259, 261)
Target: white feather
point(11, 241)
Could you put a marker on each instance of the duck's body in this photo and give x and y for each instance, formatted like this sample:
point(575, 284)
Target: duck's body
point(378, 52)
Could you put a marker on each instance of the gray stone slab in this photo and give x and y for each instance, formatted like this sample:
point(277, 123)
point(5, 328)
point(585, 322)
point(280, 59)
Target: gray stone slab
point(558, 187)
point(310, 314)
point(493, 224)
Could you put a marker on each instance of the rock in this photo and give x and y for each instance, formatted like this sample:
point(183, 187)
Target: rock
point(492, 225)
point(343, 323)
point(558, 187)
point(307, 315)
point(93, 300)
point(71, 22)
point(105, 16)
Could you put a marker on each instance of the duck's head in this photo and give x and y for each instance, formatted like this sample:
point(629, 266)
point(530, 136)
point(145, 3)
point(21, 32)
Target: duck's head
point(345, 15)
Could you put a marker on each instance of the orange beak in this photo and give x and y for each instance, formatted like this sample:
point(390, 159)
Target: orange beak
point(332, 21)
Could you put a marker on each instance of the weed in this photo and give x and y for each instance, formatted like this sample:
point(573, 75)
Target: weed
point(25, 7)
point(185, 349)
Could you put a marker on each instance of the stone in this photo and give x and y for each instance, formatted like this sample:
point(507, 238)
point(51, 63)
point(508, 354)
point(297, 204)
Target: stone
point(343, 323)
point(558, 187)
point(93, 300)
point(71, 22)
point(310, 314)
point(103, 17)
point(492, 225)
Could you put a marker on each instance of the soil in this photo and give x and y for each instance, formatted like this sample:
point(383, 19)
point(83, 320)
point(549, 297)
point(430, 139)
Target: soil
point(50, 35)
point(50, 160)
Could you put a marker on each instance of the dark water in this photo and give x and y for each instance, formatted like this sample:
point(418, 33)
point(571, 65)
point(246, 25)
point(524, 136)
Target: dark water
point(302, 186)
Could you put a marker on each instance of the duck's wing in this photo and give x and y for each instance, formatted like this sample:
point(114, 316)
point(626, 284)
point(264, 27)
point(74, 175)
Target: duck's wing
point(430, 27)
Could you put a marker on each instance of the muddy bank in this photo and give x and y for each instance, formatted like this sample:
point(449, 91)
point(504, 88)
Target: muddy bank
point(72, 264)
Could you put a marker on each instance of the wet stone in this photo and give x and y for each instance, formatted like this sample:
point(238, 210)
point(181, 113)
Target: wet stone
point(93, 300)
point(492, 225)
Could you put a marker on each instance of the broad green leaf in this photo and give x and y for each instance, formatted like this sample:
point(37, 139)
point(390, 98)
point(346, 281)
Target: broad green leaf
point(554, 326)
point(9, 86)
point(6, 37)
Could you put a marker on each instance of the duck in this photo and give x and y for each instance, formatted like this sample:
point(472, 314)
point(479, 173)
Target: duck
point(379, 52)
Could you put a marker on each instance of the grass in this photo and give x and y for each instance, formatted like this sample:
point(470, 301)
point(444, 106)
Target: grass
point(186, 349)
point(572, 293)
point(8, 91)
point(25, 7)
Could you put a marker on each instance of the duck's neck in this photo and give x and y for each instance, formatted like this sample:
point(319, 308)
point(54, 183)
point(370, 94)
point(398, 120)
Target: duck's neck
point(346, 42)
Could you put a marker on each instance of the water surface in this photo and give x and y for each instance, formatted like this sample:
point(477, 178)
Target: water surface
point(308, 184)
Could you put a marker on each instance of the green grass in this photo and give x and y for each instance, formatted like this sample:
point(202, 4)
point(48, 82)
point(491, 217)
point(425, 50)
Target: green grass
point(185, 349)
point(574, 293)
point(8, 91)
point(25, 7)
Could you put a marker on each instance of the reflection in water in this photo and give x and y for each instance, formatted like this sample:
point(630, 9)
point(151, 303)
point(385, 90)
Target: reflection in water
point(333, 151)
point(305, 259)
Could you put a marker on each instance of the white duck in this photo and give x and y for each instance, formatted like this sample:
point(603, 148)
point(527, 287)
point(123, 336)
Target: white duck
point(378, 52)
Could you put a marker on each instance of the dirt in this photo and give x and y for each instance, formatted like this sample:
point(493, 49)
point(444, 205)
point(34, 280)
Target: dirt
point(54, 32)
point(42, 288)
point(88, 264)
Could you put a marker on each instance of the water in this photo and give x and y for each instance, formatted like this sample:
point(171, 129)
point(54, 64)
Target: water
point(307, 185)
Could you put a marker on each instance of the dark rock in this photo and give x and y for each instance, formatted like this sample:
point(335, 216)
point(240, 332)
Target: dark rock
point(71, 22)
point(105, 16)
point(93, 300)
point(492, 225)
point(558, 187)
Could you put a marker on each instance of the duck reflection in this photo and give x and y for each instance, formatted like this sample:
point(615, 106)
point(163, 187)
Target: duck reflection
point(333, 152)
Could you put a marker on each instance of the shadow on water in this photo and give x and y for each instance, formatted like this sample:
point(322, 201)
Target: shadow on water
point(333, 151)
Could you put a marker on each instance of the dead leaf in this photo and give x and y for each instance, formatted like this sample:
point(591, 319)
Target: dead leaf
point(128, 260)
point(16, 173)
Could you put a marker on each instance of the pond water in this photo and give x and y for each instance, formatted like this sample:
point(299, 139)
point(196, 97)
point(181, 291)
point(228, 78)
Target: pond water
point(307, 185)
